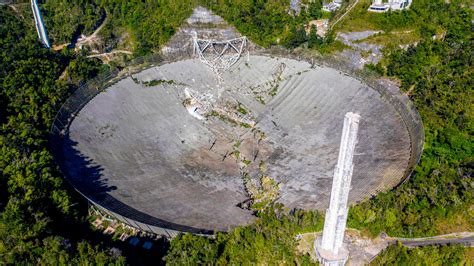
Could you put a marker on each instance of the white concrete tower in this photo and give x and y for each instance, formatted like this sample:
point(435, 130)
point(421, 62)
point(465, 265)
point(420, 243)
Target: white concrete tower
point(40, 28)
point(330, 248)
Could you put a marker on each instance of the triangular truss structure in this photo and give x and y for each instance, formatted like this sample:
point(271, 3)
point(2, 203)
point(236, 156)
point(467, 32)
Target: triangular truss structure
point(219, 55)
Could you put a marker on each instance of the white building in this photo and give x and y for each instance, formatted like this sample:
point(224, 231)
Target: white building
point(332, 6)
point(380, 6)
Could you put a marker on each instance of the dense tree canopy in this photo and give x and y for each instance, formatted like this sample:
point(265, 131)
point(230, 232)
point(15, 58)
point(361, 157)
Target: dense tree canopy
point(147, 24)
point(141, 26)
point(429, 255)
point(268, 22)
point(33, 197)
point(65, 19)
point(438, 76)
point(271, 240)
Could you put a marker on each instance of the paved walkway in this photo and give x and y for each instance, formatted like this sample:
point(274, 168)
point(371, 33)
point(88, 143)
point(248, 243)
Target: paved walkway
point(463, 238)
point(363, 249)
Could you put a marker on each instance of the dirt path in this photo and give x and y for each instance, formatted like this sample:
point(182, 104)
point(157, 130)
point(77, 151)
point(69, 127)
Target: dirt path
point(109, 53)
point(91, 39)
point(464, 238)
point(60, 46)
point(107, 57)
point(343, 15)
point(402, 32)
point(13, 6)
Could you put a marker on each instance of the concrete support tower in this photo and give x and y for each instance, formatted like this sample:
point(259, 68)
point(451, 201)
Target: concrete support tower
point(40, 28)
point(329, 248)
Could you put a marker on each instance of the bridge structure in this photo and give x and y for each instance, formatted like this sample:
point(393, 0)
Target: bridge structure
point(40, 28)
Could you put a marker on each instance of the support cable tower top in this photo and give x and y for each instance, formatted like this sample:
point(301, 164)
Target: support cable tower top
point(219, 55)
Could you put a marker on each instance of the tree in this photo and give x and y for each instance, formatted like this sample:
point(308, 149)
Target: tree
point(429, 255)
point(315, 9)
point(271, 240)
point(33, 196)
point(438, 76)
point(313, 39)
point(265, 22)
point(295, 37)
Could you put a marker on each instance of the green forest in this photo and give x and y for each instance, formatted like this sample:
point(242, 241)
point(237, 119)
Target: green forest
point(36, 213)
point(271, 239)
point(438, 198)
point(141, 26)
point(149, 24)
point(65, 20)
point(267, 22)
point(43, 221)
point(429, 255)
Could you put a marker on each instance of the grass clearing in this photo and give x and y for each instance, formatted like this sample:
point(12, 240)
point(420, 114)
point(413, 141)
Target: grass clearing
point(359, 19)
point(325, 49)
point(461, 222)
point(393, 38)
point(469, 255)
